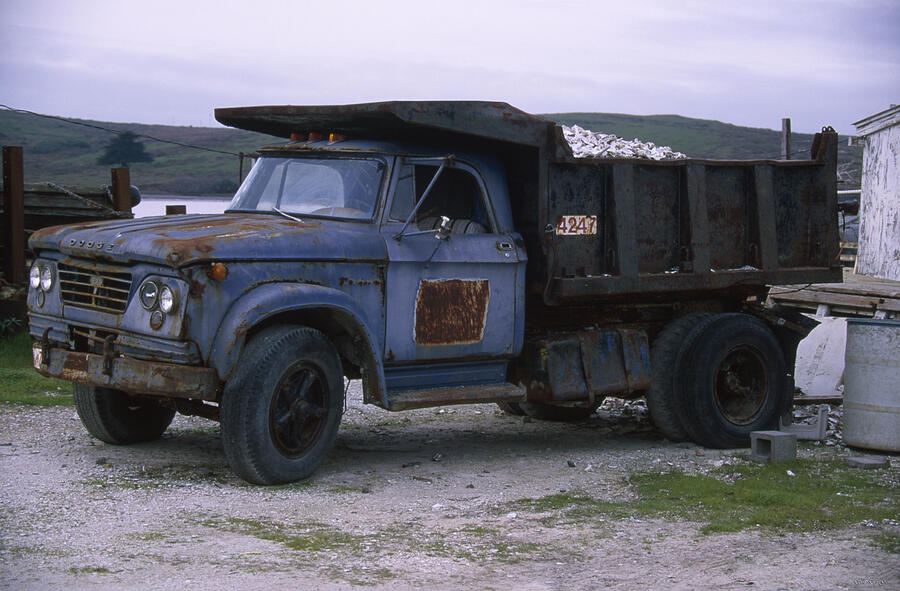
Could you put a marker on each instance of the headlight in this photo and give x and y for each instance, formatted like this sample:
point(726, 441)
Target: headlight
point(166, 299)
point(34, 276)
point(149, 294)
point(46, 278)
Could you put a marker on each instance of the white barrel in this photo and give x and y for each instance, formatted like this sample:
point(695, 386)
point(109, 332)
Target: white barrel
point(872, 384)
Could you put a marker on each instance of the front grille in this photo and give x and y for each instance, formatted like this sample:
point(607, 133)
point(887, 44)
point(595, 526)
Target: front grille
point(94, 289)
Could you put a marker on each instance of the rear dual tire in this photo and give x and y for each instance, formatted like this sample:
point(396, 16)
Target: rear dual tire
point(717, 378)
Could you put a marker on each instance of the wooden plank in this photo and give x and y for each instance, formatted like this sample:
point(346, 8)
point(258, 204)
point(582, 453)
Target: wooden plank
point(812, 299)
point(121, 189)
point(14, 213)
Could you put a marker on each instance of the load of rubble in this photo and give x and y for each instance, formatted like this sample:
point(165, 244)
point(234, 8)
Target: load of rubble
point(590, 144)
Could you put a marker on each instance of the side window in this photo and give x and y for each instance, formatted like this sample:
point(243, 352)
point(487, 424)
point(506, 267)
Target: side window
point(456, 195)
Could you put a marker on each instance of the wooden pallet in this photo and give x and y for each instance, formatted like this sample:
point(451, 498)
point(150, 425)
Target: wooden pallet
point(857, 296)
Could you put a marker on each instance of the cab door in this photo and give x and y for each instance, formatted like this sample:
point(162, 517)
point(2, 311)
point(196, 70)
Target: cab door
point(453, 284)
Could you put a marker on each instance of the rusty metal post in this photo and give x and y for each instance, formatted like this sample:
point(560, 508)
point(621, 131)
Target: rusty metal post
point(786, 138)
point(121, 189)
point(14, 212)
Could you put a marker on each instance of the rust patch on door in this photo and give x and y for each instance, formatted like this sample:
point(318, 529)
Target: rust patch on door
point(451, 311)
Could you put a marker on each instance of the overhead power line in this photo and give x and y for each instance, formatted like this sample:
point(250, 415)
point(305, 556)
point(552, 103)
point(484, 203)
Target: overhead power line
point(118, 131)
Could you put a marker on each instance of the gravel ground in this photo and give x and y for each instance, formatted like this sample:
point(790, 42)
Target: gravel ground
point(420, 499)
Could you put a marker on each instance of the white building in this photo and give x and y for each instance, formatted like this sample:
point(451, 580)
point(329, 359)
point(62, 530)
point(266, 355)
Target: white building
point(879, 205)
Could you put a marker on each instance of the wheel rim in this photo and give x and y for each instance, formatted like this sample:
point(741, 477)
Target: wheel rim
point(741, 385)
point(298, 412)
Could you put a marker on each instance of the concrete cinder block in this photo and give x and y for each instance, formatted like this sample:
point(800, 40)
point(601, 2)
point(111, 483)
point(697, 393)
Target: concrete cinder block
point(814, 432)
point(773, 446)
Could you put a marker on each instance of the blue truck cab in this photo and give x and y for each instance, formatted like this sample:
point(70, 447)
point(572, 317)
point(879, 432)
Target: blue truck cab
point(390, 242)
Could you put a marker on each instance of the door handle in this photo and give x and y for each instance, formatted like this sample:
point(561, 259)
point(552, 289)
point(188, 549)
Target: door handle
point(505, 246)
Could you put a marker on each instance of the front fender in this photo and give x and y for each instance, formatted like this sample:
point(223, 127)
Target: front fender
point(271, 299)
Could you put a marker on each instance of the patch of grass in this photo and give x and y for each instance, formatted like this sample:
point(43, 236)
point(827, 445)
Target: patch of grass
point(475, 544)
point(889, 542)
point(154, 477)
point(147, 536)
point(820, 495)
point(20, 383)
point(569, 508)
point(89, 570)
point(309, 537)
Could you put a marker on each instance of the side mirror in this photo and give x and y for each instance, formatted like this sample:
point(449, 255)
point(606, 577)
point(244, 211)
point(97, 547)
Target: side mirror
point(135, 195)
point(443, 231)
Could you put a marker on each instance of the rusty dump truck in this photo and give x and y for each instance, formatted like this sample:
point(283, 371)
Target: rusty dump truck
point(445, 253)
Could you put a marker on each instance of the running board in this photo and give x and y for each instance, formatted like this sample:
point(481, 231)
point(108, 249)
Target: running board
point(408, 399)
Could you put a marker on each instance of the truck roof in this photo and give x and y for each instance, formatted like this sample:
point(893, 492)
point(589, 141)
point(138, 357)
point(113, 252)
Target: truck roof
point(396, 120)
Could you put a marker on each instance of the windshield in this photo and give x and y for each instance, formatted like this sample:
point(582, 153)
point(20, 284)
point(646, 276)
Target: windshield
point(329, 187)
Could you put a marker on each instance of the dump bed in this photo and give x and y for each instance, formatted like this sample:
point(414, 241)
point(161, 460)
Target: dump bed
point(617, 229)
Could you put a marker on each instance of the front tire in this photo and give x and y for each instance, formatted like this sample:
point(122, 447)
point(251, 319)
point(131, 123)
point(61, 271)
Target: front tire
point(117, 418)
point(734, 380)
point(281, 411)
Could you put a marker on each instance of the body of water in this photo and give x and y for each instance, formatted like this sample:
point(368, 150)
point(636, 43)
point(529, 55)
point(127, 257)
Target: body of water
point(152, 205)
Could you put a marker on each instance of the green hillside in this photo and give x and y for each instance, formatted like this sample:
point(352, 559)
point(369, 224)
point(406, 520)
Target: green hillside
point(66, 153)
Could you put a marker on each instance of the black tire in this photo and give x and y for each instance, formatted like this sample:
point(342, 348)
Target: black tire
point(511, 408)
point(281, 411)
point(734, 380)
point(117, 418)
point(564, 414)
point(662, 399)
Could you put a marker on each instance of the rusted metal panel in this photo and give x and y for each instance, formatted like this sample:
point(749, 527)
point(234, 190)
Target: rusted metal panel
point(451, 311)
point(396, 120)
point(410, 399)
point(581, 366)
point(129, 375)
point(692, 226)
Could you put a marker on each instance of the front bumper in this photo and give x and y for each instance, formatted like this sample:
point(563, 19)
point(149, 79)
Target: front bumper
point(129, 375)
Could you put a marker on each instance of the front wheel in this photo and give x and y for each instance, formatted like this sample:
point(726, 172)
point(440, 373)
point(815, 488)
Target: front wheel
point(115, 417)
point(281, 411)
point(734, 380)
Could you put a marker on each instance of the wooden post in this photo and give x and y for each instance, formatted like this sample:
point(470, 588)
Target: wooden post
point(786, 138)
point(121, 189)
point(14, 212)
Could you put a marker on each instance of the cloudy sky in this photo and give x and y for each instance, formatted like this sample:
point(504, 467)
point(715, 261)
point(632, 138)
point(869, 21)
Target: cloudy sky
point(820, 62)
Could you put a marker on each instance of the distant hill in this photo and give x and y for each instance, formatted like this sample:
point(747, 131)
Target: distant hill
point(66, 153)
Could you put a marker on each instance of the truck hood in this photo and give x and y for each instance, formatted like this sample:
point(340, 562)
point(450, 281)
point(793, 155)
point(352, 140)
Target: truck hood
point(187, 239)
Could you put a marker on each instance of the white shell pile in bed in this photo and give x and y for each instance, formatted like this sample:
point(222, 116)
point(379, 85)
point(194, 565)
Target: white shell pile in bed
point(589, 144)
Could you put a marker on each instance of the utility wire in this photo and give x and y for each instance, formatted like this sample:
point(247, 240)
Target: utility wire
point(118, 131)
